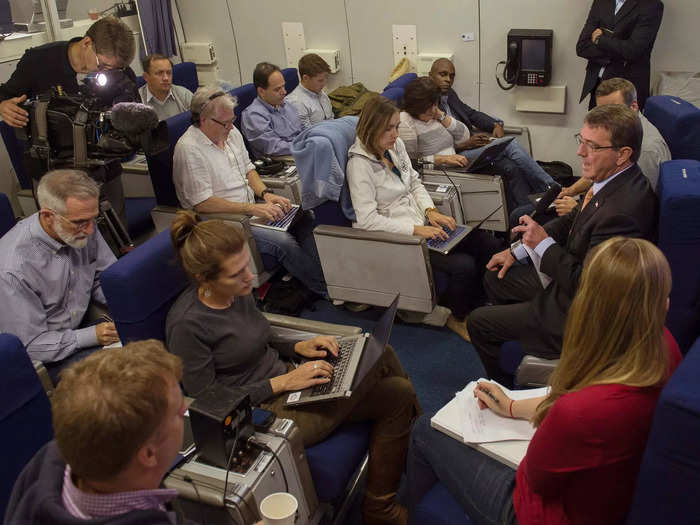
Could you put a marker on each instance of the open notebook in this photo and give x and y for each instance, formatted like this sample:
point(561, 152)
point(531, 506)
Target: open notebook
point(504, 439)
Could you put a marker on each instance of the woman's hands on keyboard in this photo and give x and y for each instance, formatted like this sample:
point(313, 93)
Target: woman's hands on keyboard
point(437, 219)
point(319, 346)
point(309, 374)
point(430, 232)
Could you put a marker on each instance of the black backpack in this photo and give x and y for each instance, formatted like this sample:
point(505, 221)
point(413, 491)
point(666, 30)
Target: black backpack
point(560, 171)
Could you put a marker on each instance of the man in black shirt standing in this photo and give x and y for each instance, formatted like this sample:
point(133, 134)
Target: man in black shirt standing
point(108, 44)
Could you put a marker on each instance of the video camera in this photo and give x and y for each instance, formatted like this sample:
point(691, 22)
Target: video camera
point(95, 126)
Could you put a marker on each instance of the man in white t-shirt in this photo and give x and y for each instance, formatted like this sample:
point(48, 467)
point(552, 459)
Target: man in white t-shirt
point(213, 173)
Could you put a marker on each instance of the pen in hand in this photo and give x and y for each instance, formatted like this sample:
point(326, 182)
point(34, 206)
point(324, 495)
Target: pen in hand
point(488, 393)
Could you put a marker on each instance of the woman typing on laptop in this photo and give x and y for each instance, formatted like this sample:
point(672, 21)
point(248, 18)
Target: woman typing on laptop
point(582, 462)
point(387, 195)
point(220, 335)
point(434, 136)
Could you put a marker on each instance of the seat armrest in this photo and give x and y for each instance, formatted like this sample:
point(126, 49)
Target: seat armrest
point(513, 130)
point(535, 371)
point(366, 235)
point(43, 377)
point(96, 312)
point(309, 326)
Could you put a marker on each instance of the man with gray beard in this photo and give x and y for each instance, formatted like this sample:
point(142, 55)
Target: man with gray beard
point(50, 264)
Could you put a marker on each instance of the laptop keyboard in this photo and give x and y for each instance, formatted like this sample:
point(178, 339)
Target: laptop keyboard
point(340, 366)
point(440, 244)
point(285, 221)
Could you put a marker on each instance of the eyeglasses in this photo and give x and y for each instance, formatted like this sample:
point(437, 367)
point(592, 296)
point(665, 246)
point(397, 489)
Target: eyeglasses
point(80, 225)
point(590, 146)
point(224, 124)
point(104, 67)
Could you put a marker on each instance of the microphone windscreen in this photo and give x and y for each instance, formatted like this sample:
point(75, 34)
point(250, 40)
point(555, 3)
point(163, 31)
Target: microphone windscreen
point(548, 198)
point(133, 118)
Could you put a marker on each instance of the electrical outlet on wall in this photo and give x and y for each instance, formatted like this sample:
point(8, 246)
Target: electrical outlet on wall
point(405, 43)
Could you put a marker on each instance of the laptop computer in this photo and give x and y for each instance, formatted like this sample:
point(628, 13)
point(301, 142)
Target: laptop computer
point(356, 357)
point(486, 158)
point(455, 236)
point(282, 224)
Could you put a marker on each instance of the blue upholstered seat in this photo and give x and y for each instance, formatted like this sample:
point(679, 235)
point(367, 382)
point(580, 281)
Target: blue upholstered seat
point(402, 81)
point(25, 413)
point(679, 123)
point(291, 79)
point(7, 215)
point(668, 485)
point(394, 93)
point(15, 150)
point(679, 238)
point(332, 462)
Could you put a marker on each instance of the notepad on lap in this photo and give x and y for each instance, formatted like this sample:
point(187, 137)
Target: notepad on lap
point(504, 439)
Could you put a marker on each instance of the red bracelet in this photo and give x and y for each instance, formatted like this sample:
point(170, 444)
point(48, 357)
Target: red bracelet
point(510, 409)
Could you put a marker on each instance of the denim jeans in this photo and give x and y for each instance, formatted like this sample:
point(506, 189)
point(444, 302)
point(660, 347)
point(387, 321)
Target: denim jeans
point(54, 369)
point(481, 485)
point(296, 251)
point(522, 173)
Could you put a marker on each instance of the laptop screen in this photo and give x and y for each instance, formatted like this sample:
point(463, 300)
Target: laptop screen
point(376, 343)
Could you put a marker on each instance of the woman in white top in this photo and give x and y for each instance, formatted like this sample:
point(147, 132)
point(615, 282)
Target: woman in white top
point(387, 195)
point(429, 133)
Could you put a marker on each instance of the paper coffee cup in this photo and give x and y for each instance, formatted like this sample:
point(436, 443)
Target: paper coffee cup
point(279, 508)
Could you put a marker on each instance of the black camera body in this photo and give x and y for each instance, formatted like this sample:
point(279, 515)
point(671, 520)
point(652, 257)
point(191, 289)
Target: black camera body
point(77, 130)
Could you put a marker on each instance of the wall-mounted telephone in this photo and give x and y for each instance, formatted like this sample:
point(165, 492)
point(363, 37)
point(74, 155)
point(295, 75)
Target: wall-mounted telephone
point(529, 60)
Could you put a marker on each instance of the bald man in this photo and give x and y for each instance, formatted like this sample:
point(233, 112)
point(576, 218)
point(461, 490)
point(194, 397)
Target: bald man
point(442, 72)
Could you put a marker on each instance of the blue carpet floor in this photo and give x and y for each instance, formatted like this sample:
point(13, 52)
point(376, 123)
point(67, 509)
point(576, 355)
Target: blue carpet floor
point(437, 360)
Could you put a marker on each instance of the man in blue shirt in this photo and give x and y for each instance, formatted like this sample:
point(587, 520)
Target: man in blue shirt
point(50, 266)
point(270, 124)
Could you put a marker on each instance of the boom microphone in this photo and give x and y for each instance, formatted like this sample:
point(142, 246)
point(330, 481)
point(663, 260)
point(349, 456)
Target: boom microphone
point(133, 118)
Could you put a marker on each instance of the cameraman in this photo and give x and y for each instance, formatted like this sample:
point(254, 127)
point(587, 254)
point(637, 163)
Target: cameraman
point(108, 44)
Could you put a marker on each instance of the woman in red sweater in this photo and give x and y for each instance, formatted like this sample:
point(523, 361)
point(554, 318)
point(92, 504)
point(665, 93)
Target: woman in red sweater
point(592, 428)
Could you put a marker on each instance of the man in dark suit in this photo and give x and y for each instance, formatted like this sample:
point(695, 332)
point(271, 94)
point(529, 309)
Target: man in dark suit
point(617, 40)
point(532, 299)
point(442, 72)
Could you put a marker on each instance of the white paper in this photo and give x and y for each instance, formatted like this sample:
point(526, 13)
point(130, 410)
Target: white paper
point(536, 260)
point(485, 426)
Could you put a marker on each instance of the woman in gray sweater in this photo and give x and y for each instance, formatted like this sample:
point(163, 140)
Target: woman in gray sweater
point(220, 335)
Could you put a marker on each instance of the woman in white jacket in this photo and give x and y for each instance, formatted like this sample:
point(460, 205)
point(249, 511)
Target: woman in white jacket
point(387, 195)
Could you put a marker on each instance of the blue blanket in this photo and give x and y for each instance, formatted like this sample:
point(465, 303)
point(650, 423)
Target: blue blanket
point(321, 154)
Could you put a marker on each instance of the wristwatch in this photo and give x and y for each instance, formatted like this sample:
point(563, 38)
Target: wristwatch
point(428, 210)
point(444, 116)
point(266, 190)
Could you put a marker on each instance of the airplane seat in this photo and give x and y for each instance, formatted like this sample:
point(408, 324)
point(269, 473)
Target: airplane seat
point(25, 417)
point(668, 484)
point(395, 94)
point(7, 215)
point(160, 168)
point(399, 263)
point(679, 239)
point(140, 289)
point(291, 79)
point(401, 82)
point(245, 95)
point(678, 121)
point(184, 74)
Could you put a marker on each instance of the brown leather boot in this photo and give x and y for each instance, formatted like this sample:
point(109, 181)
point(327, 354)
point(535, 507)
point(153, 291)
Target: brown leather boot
point(383, 510)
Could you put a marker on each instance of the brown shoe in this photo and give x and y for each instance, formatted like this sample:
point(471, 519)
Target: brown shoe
point(459, 327)
point(383, 510)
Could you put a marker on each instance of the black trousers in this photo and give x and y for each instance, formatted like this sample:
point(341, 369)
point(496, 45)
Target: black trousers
point(464, 266)
point(508, 319)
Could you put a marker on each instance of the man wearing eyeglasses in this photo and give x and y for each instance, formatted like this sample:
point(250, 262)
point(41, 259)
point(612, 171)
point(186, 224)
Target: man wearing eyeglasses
point(213, 173)
point(50, 265)
point(531, 300)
